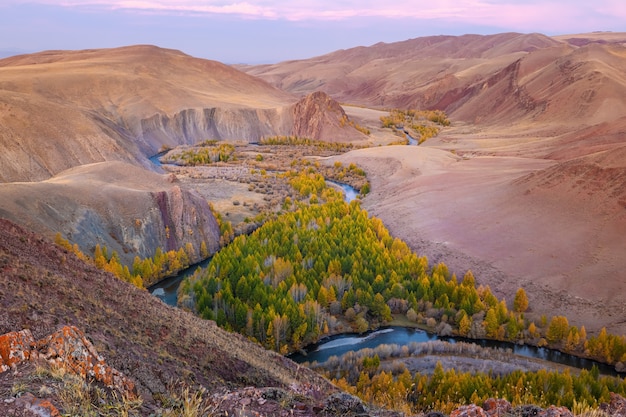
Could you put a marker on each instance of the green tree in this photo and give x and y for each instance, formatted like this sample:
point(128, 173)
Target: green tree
point(558, 329)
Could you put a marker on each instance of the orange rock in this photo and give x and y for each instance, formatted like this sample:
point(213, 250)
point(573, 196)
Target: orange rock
point(496, 407)
point(38, 406)
point(15, 348)
point(68, 348)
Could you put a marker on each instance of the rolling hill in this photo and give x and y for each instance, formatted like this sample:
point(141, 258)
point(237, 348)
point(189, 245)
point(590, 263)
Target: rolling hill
point(60, 109)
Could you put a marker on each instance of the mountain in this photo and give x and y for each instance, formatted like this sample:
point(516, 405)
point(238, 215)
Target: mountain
point(60, 109)
point(75, 126)
point(551, 86)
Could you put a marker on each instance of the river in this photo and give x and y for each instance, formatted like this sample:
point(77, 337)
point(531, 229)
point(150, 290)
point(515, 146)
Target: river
point(167, 290)
point(340, 344)
point(349, 192)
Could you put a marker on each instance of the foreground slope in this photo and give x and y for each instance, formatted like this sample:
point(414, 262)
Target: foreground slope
point(44, 287)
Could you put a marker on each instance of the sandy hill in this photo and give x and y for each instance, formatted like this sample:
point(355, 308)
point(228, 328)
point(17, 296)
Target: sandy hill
point(60, 109)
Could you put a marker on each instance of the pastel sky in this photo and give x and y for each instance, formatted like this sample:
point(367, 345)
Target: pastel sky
point(265, 31)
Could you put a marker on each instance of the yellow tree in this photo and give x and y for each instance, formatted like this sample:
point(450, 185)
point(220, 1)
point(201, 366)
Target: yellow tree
point(520, 303)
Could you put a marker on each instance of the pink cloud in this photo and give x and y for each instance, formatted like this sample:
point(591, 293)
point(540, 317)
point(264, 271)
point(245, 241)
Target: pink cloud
point(521, 15)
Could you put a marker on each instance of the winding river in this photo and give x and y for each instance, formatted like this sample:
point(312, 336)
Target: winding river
point(167, 290)
point(340, 344)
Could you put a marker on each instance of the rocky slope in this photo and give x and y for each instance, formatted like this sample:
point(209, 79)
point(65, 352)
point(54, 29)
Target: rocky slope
point(123, 207)
point(44, 288)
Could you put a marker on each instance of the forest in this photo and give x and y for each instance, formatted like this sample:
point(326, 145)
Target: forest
point(325, 267)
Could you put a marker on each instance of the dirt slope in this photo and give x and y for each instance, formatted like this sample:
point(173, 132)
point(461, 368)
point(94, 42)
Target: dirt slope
point(555, 229)
point(43, 288)
point(126, 208)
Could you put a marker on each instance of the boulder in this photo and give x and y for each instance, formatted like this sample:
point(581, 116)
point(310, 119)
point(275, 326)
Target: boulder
point(554, 411)
point(68, 348)
point(15, 348)
point(616, 407)
point(496, 407)
point(471, 410)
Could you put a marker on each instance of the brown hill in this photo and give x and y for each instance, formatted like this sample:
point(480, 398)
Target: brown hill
point(44, 288)
point(64, 110)
point(61, 109)
point(514, 80)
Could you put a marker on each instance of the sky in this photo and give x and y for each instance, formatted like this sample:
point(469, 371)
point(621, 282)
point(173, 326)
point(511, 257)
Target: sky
point(269, 31)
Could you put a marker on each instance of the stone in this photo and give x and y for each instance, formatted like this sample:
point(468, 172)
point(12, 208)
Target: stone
point(343, 403)
point(616, 407)
point(496, 407)
point(41, 408)
point(68, 348)
point(471, 410)
point(15, 348)
point(554, 411)
point(527, 410)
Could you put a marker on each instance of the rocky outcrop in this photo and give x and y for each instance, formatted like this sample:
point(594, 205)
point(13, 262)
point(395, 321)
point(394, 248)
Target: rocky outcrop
point(67, 348)
point(125, 208)
point(318, 116)
point(191, 126)
point(496, 407)
point(499, 407)
point(470, 410)
point(15, 348)
point(616, 407)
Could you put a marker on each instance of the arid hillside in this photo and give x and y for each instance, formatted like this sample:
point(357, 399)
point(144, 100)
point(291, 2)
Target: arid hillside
point(60, 109)
point(77, 129)
point(122, 207)
point(531, 84)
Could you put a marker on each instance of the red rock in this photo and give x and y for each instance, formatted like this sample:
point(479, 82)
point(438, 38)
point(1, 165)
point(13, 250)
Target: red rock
point(42, 408)
point(496, 407)
point(15, 348)
point(469, 411)
point(68, 348)
point(617, 406)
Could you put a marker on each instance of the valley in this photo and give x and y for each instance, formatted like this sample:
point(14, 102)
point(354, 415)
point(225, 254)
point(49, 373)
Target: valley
point(526, 187)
